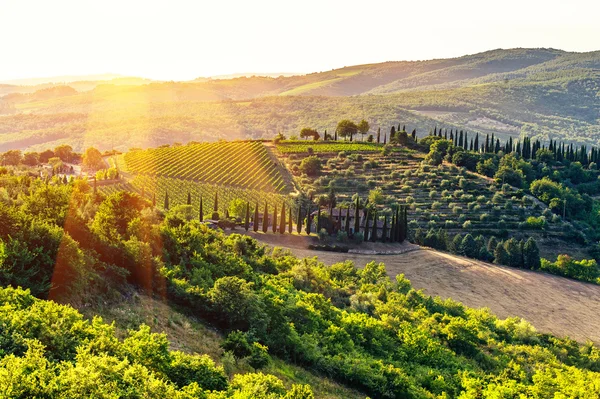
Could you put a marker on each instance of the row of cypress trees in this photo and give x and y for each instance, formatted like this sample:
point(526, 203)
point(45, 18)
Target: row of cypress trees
point(525, 147)
point(393, 230)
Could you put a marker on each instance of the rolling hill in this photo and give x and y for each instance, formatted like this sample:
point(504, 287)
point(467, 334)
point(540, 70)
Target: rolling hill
point(539, 92)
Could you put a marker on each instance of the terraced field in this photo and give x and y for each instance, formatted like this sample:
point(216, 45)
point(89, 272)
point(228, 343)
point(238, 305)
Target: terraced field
point(444, 197)
point(242, 164)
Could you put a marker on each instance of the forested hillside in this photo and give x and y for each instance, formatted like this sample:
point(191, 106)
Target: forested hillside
point(542, 93)
point(359, 328)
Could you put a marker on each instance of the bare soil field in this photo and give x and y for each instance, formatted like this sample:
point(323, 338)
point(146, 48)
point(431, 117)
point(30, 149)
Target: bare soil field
point(552, 304)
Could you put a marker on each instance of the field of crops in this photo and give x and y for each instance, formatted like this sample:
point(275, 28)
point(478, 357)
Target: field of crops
point(298, 147)
point(156, 187)
point(240, 164)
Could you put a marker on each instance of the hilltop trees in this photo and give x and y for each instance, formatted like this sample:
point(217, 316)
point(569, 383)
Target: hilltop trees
point(12, 157)
point(309, 132)
point(92, 160)
point(363, 128)
point(346, 129)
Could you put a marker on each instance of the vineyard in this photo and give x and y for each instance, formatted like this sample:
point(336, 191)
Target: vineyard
point(155, 188)
point(247, 165)
point(299, 147)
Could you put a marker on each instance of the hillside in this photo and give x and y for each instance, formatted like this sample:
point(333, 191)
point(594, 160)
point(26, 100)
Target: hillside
point(446, 197)
point(539, 92)
point(571, 310)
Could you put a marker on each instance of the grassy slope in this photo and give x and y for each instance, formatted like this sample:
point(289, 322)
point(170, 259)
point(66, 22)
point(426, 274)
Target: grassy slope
point(189, 335)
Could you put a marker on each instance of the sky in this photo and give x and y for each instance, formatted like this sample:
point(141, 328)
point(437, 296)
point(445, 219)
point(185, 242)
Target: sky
point(182, 40)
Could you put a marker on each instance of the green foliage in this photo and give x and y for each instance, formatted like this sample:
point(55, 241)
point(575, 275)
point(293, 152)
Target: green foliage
point(311, 166)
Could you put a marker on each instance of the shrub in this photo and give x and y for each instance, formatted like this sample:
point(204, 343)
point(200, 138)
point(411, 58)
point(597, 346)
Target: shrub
point(467, 225)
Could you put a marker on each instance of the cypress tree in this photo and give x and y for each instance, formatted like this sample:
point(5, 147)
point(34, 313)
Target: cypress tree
point(399, 225)
point(189, 198)
point(255, 221)
point(265, 226)
point(200, 211)
point(299, 220)
point(367, 220)
point(393, 228)
point(153, 196)
point(282, 220)
point(347, 224)
point(466, 142)
point(166, 203)
point(319, 220)
point(531, 254)
point(476, 144)
point(460, 140)
point(274, 222)
point(384, 230)
point(414, 134)
point(290, 220)
point(374, 231)
point(357, 215)
point(247, 221)
point(378, 135)
point(215, 214)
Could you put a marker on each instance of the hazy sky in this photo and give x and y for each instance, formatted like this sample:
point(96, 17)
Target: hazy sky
point(180, 40)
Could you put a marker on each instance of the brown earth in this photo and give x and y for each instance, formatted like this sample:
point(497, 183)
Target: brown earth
point(552, 304)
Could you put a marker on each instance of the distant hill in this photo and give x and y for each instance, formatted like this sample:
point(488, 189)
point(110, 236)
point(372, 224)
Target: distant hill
point(539, 92)
point(60, 79)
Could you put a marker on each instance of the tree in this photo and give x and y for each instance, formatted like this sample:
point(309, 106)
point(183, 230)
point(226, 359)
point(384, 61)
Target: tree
point(166, 203)
point(378, 135)
point(468, 247)
point(274, 221)
point(290, 220)
point(46, 155)
point(282, 220)
point(500, 255)
point(115, 213)
point(531, 254)
point(514, 253)
point(384, 231)
point(215, 214)
point(92, 160)
point(299, 220)
point(311, 166)
point(189, 198)
point(357, 215)
point(374, 229)
point(247, 219)
point(31, 158)
point(255, 221)
point(319, 220)
point(64, 152)
point(363, 128)
point(200, 211)
point(346, 128)
point(308, 132)
point(12, 157)
point(265, 226)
